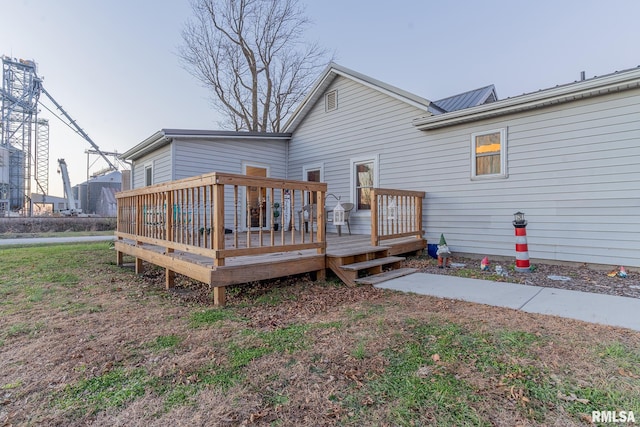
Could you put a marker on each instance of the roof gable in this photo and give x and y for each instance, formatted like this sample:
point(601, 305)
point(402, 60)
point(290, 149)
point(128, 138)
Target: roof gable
point(334, 70)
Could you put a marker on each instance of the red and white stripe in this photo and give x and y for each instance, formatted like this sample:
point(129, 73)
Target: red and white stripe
point(522, 250)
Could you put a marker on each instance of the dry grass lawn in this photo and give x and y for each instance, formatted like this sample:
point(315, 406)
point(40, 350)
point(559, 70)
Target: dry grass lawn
point(84, 342)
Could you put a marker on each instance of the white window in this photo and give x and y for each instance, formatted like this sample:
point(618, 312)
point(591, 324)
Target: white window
point(331, 101)
point(364, 177)
point(489, 154)
point(148, 175)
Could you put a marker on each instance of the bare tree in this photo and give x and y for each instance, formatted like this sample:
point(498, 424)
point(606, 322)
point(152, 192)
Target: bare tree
point(252, 55)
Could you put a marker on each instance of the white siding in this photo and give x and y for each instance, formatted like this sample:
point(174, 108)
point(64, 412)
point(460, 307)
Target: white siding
point(574, 169)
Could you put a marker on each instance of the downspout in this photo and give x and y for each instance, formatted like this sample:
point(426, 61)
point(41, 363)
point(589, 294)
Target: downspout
point(286, 159)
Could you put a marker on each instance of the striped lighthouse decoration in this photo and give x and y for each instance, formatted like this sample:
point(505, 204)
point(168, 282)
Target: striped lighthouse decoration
point(522, 250)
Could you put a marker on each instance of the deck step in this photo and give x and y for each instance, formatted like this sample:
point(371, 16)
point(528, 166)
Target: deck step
point(359, 250)
point(387, 275)
point(372, 263)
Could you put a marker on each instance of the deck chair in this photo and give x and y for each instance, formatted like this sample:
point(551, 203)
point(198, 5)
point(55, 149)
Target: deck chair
point(348, 207)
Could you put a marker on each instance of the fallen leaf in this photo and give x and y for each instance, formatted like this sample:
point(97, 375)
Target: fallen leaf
point(627, 374)
point(435, 357)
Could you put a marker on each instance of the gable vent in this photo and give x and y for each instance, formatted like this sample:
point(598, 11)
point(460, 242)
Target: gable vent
point(331, 101)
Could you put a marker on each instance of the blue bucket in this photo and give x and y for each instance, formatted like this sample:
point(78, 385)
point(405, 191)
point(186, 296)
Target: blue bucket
point(432, 250)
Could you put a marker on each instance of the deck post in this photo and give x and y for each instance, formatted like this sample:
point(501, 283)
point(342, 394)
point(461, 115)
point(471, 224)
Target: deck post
point(375, 240)
point(169, 276)
point(322, 222)
point(218, 223)
point(219, 296)
point(119, 258)
point(139, 266)
point(418, 202)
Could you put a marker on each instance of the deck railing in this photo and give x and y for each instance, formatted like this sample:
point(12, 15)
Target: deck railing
point(206, 215)
point(395, 213)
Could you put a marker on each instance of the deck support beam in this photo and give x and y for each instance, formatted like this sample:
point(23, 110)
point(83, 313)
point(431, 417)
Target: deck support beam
point(320, 275)
point(139, 266)
point(219, 296)
point(169, 276)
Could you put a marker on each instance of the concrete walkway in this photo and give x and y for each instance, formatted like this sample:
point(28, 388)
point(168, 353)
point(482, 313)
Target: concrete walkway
point(589, 307)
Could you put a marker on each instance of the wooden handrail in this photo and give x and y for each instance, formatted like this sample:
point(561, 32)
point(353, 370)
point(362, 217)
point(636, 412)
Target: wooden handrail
point(189, 215)
point(403, 221)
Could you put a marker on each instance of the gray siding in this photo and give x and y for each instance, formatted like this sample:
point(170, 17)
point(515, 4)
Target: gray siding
point(195, 157)
point(161, 161)
point(188, 157)
point(573, 169)
point(366, 122)
point(199, 156)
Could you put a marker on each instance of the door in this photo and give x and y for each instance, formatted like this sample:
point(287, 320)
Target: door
point(256, 200)
point(313, 175)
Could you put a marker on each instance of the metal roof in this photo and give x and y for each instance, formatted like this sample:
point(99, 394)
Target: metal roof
point(472, 98)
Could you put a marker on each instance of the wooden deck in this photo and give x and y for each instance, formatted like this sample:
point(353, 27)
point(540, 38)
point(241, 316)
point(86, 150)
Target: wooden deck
point(340, 251)
point(180, 226)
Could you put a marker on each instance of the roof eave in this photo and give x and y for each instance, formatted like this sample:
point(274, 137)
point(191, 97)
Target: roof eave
point(544, 98)
point(153, 142)
point(165, 136)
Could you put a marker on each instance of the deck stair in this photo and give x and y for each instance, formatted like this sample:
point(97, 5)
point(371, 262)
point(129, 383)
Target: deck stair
point(365, 264)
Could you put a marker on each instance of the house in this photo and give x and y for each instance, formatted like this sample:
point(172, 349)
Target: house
point(567, 156)
point(173, 154)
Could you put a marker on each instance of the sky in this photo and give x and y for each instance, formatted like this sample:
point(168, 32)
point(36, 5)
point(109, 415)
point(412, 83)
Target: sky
point(114, 66)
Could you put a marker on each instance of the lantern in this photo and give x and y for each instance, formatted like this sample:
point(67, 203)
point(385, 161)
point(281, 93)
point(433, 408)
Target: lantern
point(518, 219)
point(338, 215)
point(392, 210)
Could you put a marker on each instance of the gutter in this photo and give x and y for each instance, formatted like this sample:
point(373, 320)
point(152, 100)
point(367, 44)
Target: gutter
point(156, 140)
point(165, 136)
point(561, 94)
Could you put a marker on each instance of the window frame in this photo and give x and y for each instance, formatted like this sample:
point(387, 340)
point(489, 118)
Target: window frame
point(503, 155)
point(148, 167)
point(354, 162)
